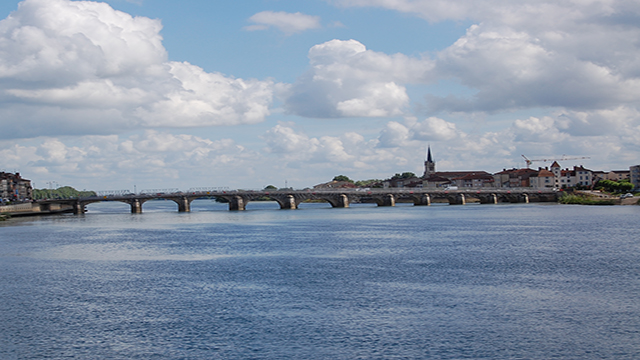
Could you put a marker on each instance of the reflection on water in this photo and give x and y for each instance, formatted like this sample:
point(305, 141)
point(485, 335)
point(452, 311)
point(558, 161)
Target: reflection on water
point(444, 282)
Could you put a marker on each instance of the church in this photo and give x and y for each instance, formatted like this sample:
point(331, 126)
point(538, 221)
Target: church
point(462, 179)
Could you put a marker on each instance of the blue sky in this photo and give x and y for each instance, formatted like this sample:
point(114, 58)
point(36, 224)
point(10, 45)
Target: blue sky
point(169, 94)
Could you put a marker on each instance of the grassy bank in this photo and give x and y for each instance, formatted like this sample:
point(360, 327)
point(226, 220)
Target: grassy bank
point(583, 200)
point(4, 217)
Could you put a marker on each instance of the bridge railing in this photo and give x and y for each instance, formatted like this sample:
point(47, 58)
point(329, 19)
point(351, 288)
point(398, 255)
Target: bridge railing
point(208, 189)
point(159, 191)
point(112, 192)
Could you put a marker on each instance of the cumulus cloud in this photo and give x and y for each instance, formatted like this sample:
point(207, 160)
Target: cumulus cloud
point(80, 67)
point(152, 157)
point(288, 23)
point(578, 55)
point(347, 80)
point(284, 140)
point(300, 150)
point(398, 146)
point(394, 134)
point(164, 159)
point(539, 130)
point(518, 70)
point(435, 129)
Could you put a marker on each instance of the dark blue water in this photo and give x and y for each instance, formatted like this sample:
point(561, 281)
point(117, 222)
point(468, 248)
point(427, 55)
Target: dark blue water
point(441, 282)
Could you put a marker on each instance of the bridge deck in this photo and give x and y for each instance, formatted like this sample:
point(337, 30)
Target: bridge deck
point(290, 199)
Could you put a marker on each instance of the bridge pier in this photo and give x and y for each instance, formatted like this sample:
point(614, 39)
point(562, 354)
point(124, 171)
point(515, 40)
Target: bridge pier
point(289, 203)
point(488, 199)
point(388, 200)
point(237, 203)
point(78, 208)
point(136, 206)
point(526, 198)
point(184, 205)
point(424, 200)
point(343, 201)
point(458, 199)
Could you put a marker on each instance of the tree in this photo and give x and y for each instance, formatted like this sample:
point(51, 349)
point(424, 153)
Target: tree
point(270, 187)
point(65, 192)
point(614, 186)
point(404, 175)
point(342, 178)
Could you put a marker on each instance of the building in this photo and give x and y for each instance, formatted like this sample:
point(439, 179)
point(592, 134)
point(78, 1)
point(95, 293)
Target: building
point(399, 182)
point(461, 179)
point(429, 165)
point(543, 178)
point(566, 178)
point(613, 175)
point(634, 176)
point(514, 178)
point(13, 188)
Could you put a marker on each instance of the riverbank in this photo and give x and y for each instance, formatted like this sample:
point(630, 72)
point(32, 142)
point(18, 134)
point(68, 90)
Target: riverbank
point(590, 198)
point(33, 208)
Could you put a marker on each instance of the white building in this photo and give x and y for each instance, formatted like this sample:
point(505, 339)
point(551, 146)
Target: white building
point(569, 178)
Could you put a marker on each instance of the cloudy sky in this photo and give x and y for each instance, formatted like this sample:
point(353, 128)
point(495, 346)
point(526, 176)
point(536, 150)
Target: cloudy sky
point(164, 94)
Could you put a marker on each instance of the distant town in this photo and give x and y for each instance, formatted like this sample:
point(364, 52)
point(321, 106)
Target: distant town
point(554, 176)
point(15, 189)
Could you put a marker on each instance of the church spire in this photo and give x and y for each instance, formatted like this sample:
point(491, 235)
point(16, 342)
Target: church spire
point(429, 165)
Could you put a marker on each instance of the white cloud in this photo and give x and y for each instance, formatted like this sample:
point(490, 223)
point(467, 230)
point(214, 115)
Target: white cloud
point(393, 135)
point(299, 150)
point(538, 130)
point(153, 158)
point(579, 55)
point(80, 67)
point(434, 129)
point(347, 80)
point(288, 23)
point(208, 99)
point(158, 159)
point(284, 140)
point(519, 70)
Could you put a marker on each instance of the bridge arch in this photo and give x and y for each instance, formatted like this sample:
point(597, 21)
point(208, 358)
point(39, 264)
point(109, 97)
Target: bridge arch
point(134, 203)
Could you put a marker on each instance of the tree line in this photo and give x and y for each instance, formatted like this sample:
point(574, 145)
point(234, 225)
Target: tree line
point(65, 192)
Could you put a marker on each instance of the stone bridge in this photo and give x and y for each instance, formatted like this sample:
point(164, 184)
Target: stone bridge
point(338, 198)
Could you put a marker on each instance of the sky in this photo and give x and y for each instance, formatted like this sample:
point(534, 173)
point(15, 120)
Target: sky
point(165, 94)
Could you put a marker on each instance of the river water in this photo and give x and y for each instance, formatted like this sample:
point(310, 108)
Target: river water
point(508, 281)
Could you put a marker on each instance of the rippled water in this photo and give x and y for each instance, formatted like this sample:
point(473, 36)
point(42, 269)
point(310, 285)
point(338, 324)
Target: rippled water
point(442, 282)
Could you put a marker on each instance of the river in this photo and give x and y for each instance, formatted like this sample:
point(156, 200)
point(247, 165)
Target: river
point(508, 281)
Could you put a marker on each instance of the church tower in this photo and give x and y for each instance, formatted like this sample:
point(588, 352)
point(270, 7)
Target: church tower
point(429, 165)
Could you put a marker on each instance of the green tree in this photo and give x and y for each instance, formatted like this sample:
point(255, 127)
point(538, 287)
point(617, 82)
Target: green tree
point(625, 187)
point(342, 178)
point(404, 175)
point(270, 187)
point(614, 186)
point(65, 192)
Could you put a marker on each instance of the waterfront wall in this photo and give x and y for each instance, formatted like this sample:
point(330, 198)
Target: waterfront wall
point(34, 208)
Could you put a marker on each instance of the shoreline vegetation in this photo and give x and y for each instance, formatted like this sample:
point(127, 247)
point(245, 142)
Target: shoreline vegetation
point(587, 199)
point(575, 199)
point(65, 192)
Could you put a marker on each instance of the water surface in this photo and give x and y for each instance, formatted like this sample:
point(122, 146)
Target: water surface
point(515, 281)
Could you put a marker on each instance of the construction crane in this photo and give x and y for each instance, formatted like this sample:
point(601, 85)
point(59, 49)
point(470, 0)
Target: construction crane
point(564, 157)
